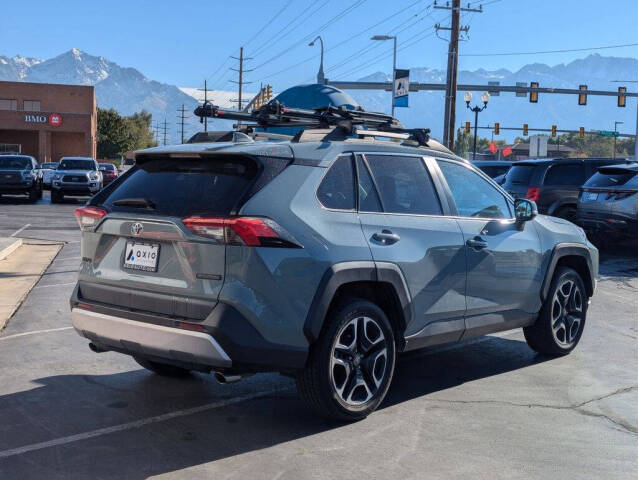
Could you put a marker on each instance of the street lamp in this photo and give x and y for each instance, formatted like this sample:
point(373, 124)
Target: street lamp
point(476, 109)
point(394, 61)
point(616, 123)
point(320, 76)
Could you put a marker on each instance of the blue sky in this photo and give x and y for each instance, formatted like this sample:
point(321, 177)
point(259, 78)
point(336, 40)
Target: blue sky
point(184, 42)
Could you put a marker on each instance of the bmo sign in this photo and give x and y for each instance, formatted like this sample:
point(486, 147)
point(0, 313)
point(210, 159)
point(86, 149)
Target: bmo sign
point(53, 119)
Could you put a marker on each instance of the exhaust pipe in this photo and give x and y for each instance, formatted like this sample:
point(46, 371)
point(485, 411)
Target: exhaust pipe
point(224, 379)
point(94, 348)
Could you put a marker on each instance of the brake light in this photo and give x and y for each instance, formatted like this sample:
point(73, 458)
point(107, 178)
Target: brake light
point(89, 217)
point(533, 193)
point(248, 231)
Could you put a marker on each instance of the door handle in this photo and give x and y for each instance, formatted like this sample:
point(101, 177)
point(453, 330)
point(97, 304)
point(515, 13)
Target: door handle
point(386, 237)
point(476, 242)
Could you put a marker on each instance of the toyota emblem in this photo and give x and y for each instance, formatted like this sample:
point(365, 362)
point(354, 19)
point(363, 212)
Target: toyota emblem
point(137, 228)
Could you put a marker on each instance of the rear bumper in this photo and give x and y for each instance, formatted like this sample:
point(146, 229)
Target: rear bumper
point(607, 223)
point(146, 339)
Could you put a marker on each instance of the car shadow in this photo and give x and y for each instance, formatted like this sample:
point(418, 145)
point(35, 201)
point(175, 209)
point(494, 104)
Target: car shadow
point(70, 405)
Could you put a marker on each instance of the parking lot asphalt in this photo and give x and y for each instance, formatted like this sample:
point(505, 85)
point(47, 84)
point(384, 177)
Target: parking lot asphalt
point(488, 408)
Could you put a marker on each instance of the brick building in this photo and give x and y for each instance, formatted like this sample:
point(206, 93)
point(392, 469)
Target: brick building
point(48, 121)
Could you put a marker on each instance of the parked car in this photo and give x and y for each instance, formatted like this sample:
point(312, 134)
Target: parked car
point(48, 170)
point(553, 183)
point(321, 259)
point(109, 172)
point(493, 168)
point(608, 203)
point(75, 176)
point(20, 175)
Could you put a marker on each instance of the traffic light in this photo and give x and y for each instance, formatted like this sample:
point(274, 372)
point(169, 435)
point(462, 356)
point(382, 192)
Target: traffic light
point(525, 129)
point(553, 130)
point(622, 100)
point(268, 92)
point(497, 128)
point(581, 132)
point(533, 95)
point(582, 97)
point(467, 127)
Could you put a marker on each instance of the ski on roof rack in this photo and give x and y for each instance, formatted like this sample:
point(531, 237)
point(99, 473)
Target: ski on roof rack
point(341, 121)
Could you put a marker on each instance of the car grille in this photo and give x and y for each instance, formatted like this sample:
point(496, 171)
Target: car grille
point(74, 178)
point(10, 178)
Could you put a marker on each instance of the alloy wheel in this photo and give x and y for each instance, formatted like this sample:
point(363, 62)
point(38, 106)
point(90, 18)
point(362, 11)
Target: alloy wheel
point(567, 313)
point(359, 361)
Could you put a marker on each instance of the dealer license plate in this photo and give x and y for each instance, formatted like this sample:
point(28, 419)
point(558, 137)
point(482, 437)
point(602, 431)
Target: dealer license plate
point(141, 256)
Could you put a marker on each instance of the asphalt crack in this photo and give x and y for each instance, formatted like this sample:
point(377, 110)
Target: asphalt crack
point(578, 408)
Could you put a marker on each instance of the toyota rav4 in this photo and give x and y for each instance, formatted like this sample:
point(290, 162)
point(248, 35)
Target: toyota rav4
point(322, 259)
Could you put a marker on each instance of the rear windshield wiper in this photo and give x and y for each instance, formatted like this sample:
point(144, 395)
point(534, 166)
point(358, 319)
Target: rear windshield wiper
point(135, 203)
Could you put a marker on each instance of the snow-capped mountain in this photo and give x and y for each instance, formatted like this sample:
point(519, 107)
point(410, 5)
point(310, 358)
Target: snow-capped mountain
point(124, 89)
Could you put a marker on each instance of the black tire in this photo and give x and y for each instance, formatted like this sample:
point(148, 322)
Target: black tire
point(33, 194)
point(56, 196)
point(371, 362)
point(555, 332)
point(40, 192)
point(163, 369)
point(567, 213)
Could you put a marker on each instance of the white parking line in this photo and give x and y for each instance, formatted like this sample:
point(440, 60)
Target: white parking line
point(34, 332)
point(19, 230)
point(54, 285)
point(136, 424)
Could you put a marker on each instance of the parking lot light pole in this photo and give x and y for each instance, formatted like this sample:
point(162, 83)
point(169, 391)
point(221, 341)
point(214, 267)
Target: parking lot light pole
point(476, 109)
point(616, 123)
point(321, 78)
point(394, 61)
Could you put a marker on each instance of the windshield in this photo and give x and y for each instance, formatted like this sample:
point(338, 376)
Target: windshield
point(15, 163)
point(76, 164)
point(49, 165)
point(520, 174)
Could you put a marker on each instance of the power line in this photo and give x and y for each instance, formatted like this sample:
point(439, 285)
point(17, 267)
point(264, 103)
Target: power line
point(272, 19)
point(567, 50)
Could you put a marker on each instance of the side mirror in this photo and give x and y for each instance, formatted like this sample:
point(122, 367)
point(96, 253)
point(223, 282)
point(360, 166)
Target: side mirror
point(525, 210)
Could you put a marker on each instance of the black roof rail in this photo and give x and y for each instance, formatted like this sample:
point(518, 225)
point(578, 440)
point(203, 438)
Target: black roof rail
point(336, 123)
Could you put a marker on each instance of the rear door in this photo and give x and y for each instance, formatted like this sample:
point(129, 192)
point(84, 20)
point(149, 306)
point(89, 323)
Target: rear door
point(503, 258)
point(142, 249)
point(403, 221)
point(519, 178)
point(561, 185)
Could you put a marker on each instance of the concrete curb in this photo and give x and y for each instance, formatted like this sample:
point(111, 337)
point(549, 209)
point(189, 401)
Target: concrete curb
point(8, 245)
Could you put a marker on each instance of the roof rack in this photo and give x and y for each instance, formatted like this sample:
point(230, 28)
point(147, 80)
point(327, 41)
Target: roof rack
point(331, 123)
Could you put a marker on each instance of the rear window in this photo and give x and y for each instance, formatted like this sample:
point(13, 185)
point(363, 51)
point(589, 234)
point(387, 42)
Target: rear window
point(183, 187)
point(573, 174)
point(521, 174)
point(107, 166)
point(494, 170)
point(75, 164)
point(611, 178)
point(15, 163)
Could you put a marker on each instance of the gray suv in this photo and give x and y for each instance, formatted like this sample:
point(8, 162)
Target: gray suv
point(320, 259)
point(76, 176)
point(608, 203)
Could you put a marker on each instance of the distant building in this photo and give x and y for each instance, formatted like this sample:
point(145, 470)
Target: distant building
point(520, 151)
point(48, 121)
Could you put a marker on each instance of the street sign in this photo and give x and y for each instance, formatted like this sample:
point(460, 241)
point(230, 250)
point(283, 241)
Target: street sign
point(493, 148)
point(608, 133)
point(521, 94)
point(401, 87)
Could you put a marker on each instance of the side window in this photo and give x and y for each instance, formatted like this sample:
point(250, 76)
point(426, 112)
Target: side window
point(337, 187)
point(573, 174)
point(473, 195)
point(404, 184)
point(368, 196)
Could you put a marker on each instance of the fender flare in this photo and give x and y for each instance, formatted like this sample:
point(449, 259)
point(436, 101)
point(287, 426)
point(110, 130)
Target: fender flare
point(357, 271)
point(563, 250)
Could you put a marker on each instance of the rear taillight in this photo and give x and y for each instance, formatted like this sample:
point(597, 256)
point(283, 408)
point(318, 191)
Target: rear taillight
point(249, 231)
point(533, 193)
point(89, 217)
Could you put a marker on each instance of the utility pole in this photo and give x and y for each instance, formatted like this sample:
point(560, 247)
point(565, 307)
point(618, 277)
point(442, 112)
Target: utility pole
point(455, 29)
point(182, 117)
point(156, 131)
point(241, 70)
point(164, 128)
point(205, 89)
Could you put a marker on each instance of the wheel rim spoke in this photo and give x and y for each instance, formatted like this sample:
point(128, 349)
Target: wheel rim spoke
point(566, 313)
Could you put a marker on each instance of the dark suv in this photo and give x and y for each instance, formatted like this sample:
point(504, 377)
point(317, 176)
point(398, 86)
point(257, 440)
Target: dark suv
point(20, 175)
point(554, 184)
point(322, 258)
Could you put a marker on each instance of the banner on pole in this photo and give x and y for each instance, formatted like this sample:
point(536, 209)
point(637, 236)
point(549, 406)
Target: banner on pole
point(401, 87)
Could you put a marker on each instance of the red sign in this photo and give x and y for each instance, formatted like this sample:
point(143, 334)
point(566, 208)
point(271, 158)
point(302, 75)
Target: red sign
point(507, 151)
point(493, 148)
point(55, 119)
